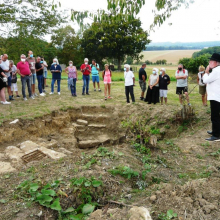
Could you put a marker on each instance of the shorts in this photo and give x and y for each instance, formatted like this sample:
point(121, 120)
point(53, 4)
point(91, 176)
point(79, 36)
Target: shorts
point(202, 90)
point(33, 78)
point(14, 87)
point(107, 80)
point(163, 93)
point(45, 74)
point(95, 79)
point(181, 90)
point(9, 81)
point(142, 85)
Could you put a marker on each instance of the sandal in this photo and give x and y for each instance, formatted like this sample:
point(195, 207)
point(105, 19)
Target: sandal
point(109, 97)
point(105, 98)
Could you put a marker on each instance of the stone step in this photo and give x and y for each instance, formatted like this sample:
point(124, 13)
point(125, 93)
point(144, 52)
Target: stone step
point(102, 139)
point(97, 126)
point(78, 125)
point(82, 122)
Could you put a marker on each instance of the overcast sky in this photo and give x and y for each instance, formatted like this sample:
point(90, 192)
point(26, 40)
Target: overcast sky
point(200, 22)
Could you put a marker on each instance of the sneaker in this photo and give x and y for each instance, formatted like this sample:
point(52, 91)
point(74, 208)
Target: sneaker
point(87, 94)
point(6, 103)
point(25, 99)
point(18, 96)
point(42, 94)
point(51, 93)
point(105, 98)
point(94, 90)
point(141, 98)
point(32, 97)
point(75, 95)
point(44, 91)
point(109, 97)
point(58, 93)
point(11, 99)
point(209, 132)
point(83, 93)
point(100, 90)
point(189, 104)
point(213, 138)
point(36, 94)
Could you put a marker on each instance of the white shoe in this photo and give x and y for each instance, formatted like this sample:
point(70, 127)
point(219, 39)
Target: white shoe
point(42, 94)
point(1, 102)
point(32, 97)
point(51, 93)
point(36, 94)
point(6, 103)
point(25, 99)
point(58, 93)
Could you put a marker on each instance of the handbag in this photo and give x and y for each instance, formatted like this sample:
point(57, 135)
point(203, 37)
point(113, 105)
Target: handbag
point(14, 80)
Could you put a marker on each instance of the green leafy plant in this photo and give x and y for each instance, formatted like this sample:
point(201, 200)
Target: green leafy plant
point(169, 215)
point(124, 171)
point(216, 154)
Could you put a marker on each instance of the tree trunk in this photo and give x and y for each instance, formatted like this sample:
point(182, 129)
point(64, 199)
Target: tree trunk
point(119, 64)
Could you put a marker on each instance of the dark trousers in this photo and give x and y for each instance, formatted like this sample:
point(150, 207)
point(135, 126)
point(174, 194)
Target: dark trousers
point(26, 80)
point(215, 117)
point(129, 89)
point(39, 79)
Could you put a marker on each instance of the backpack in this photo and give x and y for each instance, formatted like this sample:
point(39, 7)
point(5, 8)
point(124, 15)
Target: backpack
point(183, 71)
point(109, 70)
point(93, 65)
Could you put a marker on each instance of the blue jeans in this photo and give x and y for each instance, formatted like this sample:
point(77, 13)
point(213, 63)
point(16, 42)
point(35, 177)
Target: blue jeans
point(73, 88)
point(58, 85)
point(33, 78)
point(39, 79)
point(86, 79)
point(24, 80)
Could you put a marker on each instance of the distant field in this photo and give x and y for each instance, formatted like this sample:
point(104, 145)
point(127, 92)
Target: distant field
point(172, 56)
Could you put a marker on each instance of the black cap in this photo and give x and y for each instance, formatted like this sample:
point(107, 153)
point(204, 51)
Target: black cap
point(215, 57)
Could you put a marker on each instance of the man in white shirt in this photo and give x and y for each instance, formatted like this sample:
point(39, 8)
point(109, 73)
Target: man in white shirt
point(181, 83)
point(212, 79)
point(129, 83)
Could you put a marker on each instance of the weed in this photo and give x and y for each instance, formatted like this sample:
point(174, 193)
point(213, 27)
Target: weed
point(208, 111)
point(206, 144)
point(167, 126)
point(169, 215)
point(124, 171)
point(199, 156)
point(216, 154)
point(154, 130)
point(141, 148)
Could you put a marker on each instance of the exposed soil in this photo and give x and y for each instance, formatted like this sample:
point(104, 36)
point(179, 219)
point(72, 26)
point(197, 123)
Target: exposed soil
point(184, 177)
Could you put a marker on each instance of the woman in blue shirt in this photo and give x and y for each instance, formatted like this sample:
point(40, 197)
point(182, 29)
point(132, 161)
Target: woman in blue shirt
point(56, 71)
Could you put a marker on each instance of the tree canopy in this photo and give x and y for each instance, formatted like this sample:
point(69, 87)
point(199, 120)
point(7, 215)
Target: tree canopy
point(116, 38)
point(130, 9)
point(29, 17)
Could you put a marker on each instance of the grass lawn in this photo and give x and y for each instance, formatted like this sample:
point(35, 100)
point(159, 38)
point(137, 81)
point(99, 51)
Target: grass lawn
point(44, 105)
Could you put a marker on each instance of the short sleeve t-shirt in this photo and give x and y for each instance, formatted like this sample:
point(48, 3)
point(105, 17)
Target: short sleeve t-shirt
point(141, 73)
point(45, 63)
point(95, 72)
point(5, 66)
point(181, 82)
point(200, 79)
point(31, 61)
point(38, 66)
point(13, 70)
point(24, 68)
point(129, 78)
point(86, 72)
point(163, 81)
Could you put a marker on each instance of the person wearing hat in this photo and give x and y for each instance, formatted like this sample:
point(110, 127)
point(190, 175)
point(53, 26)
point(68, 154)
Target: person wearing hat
point(202, 86)
point(164, 81)
point(212, 80)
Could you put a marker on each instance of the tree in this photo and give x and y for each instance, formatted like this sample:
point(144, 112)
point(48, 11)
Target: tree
point(192, 64)
point(29, 17)
point(15, 46)
point(116, 38)
point(68, 45)
point(209, 50)
point(130, 9)
point(129, 60)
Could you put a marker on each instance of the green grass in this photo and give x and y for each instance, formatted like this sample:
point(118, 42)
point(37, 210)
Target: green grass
point(44, 105)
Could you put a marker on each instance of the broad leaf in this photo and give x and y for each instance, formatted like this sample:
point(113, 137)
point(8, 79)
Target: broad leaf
point(96, 183)
point(48, 192)
point(56, 205)
point(34, 187)
point(87, 209)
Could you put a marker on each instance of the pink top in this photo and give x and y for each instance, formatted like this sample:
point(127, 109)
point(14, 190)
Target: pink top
point(72, 72)
point(107, 73)
point(24, 68)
